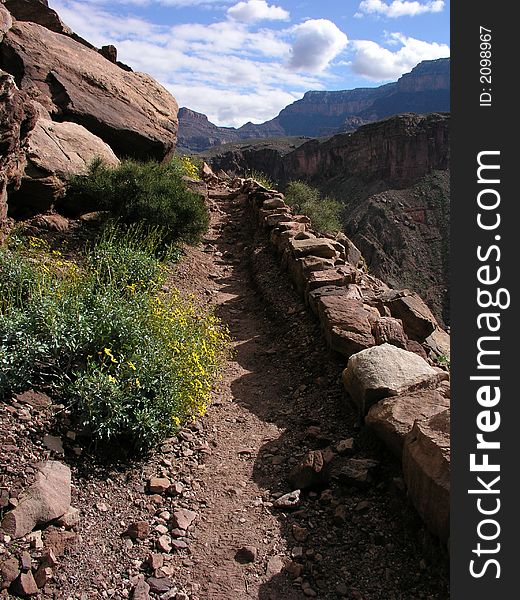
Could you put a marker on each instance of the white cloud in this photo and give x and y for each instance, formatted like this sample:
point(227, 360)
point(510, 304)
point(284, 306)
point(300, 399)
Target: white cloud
point(316, 43)
point(399, 8)
point(378, 63)
point(257, 10)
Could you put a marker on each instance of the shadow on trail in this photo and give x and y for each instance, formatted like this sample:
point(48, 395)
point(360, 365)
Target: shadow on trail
point(374, 548)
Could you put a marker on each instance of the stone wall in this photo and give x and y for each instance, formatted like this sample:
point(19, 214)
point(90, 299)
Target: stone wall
point(389, 338)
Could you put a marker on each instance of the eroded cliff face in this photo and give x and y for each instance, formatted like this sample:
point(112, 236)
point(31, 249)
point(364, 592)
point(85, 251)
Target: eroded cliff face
point(425, 89)
point(393, 179)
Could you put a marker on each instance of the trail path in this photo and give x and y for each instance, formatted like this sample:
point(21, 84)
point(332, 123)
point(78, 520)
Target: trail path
point(281, 396)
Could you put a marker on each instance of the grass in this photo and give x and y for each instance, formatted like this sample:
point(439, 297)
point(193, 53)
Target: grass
point(324, 212)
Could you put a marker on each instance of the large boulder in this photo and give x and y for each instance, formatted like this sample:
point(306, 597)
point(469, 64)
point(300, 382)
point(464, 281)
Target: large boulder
point(417, 318)
point(37, 11)
point(347, 323)
point(48, 498)
point(55, 151)
point(130, 111)
point(426, 468)
point(384, 371)
point(392, 419)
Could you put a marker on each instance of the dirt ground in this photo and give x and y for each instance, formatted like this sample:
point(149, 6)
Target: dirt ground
point(280, 396)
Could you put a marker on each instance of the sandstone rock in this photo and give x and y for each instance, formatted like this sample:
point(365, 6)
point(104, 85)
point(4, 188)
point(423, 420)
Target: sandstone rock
point(354, 471)
point(6, 22)
point(109, 52)
point(349, 292)
point(439, 343)
point(9, 571)
point(345, 446)
point(52, 222)
point(25, 585)
point(42, 576)
point(346, 323)
point(164, 543)
point(388, 330)
point(352, 253)
point(183, 518)
point(393, 418)
point(155, 561)
point(158, 485)
point(274, 203)
point(246, 554)
point(141, 590)
point(56, 151)
point(330, 277)
point(34, 399)
point(139, 530)
point(70, 519)
point(291, 500)
point(300, 534)
point(129, 111)
point(275, 565)
point(418, 320)
point(53, 443)
point(315, 247)
point(37, 11)
point(384, 371)
point(160, 585)
point(426, 468)
point(47, 499)
point(309, 472)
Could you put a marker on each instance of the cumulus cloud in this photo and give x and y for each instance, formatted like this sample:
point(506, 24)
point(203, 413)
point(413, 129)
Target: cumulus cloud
point(376, 62)
point(257, 10)
point(399, 8)
point(316, 43)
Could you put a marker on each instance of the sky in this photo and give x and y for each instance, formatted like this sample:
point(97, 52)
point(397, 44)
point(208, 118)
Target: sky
point(240, 61)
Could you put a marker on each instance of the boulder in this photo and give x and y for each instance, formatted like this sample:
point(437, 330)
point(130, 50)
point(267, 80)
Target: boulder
point(55, 152)
point(130, 111)
point(37, 11)
point(347, 324)
point(418, 320)
point(438, 343)
point(6, 22)
point(426, 468)
point(352, 253)
point(318, 279)
point(384, 371)
point(45, 500)
point(313, 247)
point(388, 330)
point(392, 419)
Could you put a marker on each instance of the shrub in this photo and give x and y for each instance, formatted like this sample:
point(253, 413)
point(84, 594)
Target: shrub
point(261, 178)
point(190, 167)
point(324, 213)
point(132, 362)
point(150, 193)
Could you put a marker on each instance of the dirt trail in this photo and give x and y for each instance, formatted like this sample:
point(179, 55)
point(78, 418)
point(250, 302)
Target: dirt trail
point(281, 396)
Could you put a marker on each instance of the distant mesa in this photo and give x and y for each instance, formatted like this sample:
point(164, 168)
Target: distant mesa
point(424, 90)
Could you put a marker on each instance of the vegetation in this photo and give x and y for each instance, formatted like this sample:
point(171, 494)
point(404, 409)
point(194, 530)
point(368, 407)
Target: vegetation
point(324, 212)
point(262, 179)
point(150, 193)
point(131, 360)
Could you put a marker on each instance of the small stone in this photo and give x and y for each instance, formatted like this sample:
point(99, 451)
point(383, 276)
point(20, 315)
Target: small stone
point(9, 571)
point(42, 576)
point(345, 446)
point(25, 585)
point(158, 485)
point(53, 443)
point(141, 590)
point(179, 545)
point(155, 561)
point(294, 569)
point(275, 565)
point(26, 562)
point(102, 506)
point(59, 541)
point(161, 529)
point(300, 533)
point(291, 500)
point(139, 530)
point(183, 518)
point(176, 488)
point(362, 506)
point(160, 585)
point(309, 472)
point(70, 519)
point(326, 496)
point(48, 559)
point(246, 554)
point(164, 543)
point(35, 539)
point(309, 592)
point(297, 552)
point(341, 589)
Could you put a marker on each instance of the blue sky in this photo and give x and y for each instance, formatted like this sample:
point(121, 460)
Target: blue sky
point(244, 60)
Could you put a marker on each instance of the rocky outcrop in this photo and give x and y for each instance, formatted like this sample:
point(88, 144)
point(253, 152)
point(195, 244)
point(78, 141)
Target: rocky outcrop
point(425, 89)
point(393, 179)
point(64, 103)
point(54, 152)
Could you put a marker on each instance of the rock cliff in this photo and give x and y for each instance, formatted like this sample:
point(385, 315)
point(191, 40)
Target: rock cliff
point(425, 89)
point(393, 178)
point(98, 106)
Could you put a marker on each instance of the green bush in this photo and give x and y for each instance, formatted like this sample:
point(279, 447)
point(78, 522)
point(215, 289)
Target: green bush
point(324, 213)
point(150, 193)
point(261, 178)
point(132, 362)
